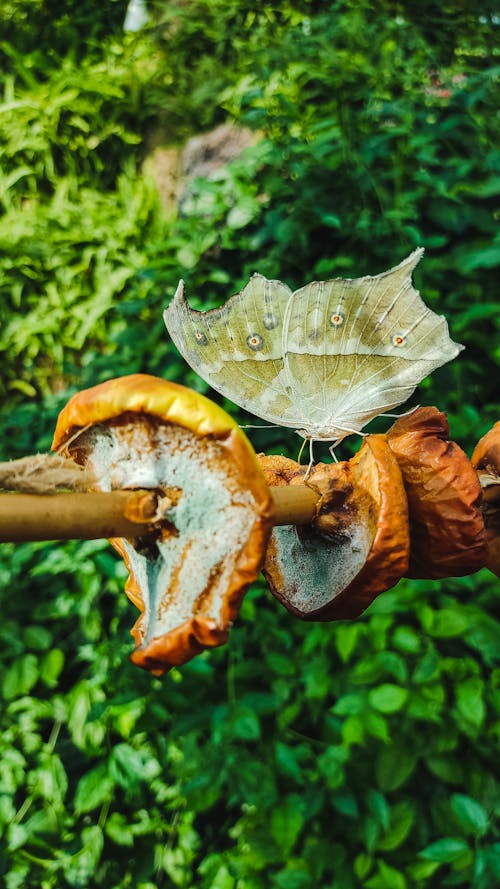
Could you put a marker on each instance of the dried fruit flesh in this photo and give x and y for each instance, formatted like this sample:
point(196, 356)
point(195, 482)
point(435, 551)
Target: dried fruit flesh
point(444, 497)
point(356, 547)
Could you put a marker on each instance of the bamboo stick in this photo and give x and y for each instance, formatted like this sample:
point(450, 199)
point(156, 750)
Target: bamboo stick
point(74, 515)
point(89, 516)
point(294, 504)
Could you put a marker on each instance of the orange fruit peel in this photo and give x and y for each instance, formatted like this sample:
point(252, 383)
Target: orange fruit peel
point(486, 460)
point(189, 575)
point(444, 497)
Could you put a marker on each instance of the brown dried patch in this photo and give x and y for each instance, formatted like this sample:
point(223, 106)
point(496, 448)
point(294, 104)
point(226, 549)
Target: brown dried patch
point(444, 497)
point(487, 452)
point(281, 471)
point(486, 459)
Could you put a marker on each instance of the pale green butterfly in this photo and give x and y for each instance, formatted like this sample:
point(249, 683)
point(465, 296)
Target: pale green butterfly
point(323, 360)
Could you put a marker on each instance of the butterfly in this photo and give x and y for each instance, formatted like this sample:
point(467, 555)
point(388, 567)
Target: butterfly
point(323, 360)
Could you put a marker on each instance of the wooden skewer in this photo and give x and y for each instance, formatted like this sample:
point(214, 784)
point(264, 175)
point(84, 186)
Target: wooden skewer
point(74, 515)
point(89, 516)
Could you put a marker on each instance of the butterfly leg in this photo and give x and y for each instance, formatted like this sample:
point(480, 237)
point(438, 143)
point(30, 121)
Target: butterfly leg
point(311, 458)
point(259, 426)
point(332, 452)
point(301, 450)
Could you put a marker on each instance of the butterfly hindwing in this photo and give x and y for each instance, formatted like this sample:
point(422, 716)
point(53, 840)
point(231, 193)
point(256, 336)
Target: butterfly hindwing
point(238, 348)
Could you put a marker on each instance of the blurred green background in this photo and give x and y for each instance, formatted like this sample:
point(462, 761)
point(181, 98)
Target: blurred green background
point(340, 755)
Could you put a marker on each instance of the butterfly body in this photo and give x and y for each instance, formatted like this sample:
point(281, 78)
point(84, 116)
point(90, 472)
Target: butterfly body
point(323, 360)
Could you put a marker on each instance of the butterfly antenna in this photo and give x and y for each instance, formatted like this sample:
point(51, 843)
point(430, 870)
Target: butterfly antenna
point(405, 414)
point(261, 426)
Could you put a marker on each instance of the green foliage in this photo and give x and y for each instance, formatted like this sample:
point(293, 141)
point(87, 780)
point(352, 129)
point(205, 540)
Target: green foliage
point(69, 178)
point(355, 754)
point(75, 26)
point(279, 760)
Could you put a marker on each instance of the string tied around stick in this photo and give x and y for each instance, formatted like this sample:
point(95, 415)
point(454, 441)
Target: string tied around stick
point(44, 474)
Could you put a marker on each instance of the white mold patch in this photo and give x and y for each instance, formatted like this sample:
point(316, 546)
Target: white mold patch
point(187, 571)
point(314, 570)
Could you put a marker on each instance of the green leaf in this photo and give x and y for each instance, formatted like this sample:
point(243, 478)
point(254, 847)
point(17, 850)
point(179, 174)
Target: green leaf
point(20, 677)
point(244, 724)
point(363, 864)
point(118, 829)
point(331, 220)
point(420, 870)
point(470, 814)
point(386, 877)
point(427, 702)
point(188, 256)
point(353, 730)
point(427, 668)
point(288, 760)
point(126, 765)
point(407, 639)
point(51, 666)
point(350, 704)
point(402, 820)
point(470, 702)
point(331, 764)
point(346, 804)
point(371, 833)
point(7, 810)
point(51, 779)
point(223, 879)
point(243, 213)
point(346, 638)
point(446, 850)
point(317, 677)
point(37, 638)
point(486, 257)
point(377, 804)
point(488, 188)
point(291, 878)
point(278, 663)
point(447, 768)
point(484, 636)
point(448, 622)
point(286, 822)
point(79, 868)
point(376, 726)
point(388, 698)
point(93, 789)
point(394, 765)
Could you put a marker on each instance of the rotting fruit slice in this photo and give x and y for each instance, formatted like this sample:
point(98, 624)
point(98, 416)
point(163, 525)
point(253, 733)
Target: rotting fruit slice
point(444, 496)
point(486, 459)
point(189, 575)
point(356, 547)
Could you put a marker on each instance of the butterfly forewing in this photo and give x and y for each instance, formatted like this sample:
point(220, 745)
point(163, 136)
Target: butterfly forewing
point(356, 348)
point(237, 348)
